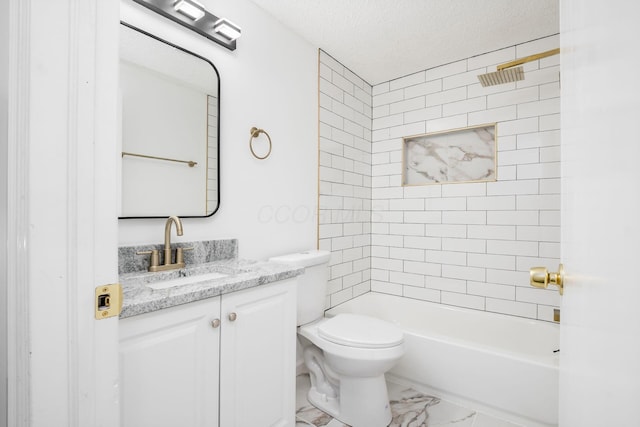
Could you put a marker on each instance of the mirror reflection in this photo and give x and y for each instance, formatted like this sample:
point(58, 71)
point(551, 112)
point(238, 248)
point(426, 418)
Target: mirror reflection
point(169, 129)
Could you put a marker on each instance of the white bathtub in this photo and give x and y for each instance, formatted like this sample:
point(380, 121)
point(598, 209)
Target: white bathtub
point(498, 364)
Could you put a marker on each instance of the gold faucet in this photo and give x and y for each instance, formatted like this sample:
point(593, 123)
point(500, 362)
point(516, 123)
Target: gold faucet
point(168, 256)
point(167, 241)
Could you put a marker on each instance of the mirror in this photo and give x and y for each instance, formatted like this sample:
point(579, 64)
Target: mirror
point(169, 106)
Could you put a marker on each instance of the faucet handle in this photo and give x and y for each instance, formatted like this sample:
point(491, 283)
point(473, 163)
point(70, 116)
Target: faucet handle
point(180, 254)
point(155, 258)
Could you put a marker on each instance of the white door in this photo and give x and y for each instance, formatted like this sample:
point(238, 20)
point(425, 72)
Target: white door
point(61, 216)
point(600, 323)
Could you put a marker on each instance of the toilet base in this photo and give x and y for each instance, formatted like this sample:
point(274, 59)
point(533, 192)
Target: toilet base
point(362, 402)
point(328, 405)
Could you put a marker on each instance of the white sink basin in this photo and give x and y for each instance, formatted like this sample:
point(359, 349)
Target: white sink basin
point(165, 284)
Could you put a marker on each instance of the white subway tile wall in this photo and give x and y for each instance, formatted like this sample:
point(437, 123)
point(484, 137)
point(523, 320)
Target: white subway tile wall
point(345, 179)
point(212, 154)
point(468, 245)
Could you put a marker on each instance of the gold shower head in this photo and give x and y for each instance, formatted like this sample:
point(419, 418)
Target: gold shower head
point(510, 72)
point(499, 77)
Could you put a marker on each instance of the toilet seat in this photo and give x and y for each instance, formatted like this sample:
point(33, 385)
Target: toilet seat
point(359, 331)
point(311, 332)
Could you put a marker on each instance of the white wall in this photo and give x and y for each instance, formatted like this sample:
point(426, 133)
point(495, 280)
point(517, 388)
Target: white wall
point(469, 245)
point(345, 178)
point(4, 111)
point(269, 81)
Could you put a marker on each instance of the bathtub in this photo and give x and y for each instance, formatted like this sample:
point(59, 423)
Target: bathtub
point(501, 365)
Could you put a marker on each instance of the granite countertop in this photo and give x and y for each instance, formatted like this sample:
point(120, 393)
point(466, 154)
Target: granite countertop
point(138, 298)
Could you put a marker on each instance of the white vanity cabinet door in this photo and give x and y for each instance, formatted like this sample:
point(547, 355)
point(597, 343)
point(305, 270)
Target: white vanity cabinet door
point(169, 367)
point(257, 359)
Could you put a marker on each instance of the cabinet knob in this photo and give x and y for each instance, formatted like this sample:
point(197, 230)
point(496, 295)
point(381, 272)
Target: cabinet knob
point(215, 323)
point(233, 316)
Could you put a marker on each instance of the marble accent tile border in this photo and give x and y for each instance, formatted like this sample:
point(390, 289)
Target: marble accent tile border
point(203, 252)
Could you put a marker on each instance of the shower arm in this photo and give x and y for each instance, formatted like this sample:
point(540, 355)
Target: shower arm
point(528, 59)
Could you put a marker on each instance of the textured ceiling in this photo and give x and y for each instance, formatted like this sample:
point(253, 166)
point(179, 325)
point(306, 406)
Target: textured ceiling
point(381, 40)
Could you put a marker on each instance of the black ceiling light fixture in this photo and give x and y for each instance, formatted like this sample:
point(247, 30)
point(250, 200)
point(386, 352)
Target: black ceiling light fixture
point(193, 15)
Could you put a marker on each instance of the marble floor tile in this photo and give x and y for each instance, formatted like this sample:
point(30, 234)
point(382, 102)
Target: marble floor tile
point(483, 420)
point(409, 408)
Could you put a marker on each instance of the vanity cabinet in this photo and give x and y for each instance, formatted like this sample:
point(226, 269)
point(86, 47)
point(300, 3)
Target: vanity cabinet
point(257, 357)
point(169, 366)
point(224, 361)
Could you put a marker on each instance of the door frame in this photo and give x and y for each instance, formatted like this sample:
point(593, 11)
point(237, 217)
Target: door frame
point(61, 219)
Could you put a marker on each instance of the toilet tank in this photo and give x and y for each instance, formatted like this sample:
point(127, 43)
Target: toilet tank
point(312, 285)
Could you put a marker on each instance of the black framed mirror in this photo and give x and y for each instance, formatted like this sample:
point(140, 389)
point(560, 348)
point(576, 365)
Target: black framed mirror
point(169, 127)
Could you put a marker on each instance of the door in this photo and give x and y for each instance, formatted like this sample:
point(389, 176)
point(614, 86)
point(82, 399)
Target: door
point(600, 320)
point(61, 219)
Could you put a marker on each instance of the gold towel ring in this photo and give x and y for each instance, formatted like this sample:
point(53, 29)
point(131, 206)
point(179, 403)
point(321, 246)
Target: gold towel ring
point(255, 132)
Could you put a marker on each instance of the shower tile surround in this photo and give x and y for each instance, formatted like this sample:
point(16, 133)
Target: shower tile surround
point(470, 244)
point(345, 179)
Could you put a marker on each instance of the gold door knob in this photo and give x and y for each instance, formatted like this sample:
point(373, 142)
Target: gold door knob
point(540, 277)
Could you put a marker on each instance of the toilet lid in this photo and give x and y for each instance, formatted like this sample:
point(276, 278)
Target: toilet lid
point(360, 331)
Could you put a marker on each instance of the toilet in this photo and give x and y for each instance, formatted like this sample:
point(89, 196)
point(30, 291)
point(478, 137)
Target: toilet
point(346, 355)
